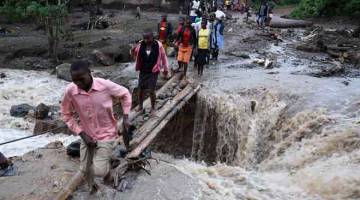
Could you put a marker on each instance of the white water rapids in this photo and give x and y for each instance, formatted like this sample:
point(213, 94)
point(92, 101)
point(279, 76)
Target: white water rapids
point(33, 88)
point(267, 136)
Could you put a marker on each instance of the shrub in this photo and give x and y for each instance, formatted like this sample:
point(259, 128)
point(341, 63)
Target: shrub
point(320, 8)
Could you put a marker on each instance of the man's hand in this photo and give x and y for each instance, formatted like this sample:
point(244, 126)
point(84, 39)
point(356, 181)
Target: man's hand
point(87, 140)
point(126, 123)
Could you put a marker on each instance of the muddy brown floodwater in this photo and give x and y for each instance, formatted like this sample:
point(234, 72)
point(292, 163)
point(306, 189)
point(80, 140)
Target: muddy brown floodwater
point(251, 133)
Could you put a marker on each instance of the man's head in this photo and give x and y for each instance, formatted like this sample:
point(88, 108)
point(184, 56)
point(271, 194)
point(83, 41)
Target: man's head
point(188, 22)
point(163, 18)
point(181, 20)
point(204, 23)
point(212, 17)
point(148, 36)
point(81, 75)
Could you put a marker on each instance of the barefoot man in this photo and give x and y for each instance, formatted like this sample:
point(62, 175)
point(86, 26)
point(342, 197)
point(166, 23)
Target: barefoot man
point(91, 99)
point(150, 59)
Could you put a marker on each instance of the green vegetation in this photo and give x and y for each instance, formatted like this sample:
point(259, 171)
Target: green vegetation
point(319, 8)
point(287, 2)
point(52, 14)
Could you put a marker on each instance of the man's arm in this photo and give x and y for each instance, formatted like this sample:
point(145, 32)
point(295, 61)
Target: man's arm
point(164, 60)
point(123, 94)
point(68, 114)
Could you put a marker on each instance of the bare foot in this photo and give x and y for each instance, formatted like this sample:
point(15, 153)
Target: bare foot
point(153, 112)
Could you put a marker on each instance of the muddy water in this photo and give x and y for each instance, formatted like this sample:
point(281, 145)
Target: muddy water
point(33, 88)
point(263, 136)
point(285, 136)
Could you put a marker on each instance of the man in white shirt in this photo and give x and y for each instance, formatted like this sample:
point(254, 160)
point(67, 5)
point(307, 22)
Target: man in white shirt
point(220, 14)
point(195, 5)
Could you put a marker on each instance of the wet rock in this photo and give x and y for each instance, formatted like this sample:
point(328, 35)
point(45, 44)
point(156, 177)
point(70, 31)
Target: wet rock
point(170, 52)
point(112, 54)
point(273, 72)
point(54, 145)
point(36, 51)
point(20, 110)
point(307, 48)
point(50, 125)
point(331, 70)
point(2, 75)
point(346, 83)
point(102, 58)
point(42, 111)
point(63, 72)
point(103, 25)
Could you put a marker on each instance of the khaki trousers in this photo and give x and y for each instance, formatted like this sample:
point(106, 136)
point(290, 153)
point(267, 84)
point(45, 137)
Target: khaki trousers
point(102, 156)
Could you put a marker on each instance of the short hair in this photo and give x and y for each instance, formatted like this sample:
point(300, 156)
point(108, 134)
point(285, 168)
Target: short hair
point(148, 31)
point(80, 65)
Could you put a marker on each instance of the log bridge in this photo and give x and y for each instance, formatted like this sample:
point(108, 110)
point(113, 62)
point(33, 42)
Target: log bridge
point(172, 97)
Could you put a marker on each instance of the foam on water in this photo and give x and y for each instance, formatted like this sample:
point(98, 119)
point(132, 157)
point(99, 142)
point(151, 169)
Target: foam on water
point(30, 87)
point(33, 88)
point(23, 146)
point(232, 183)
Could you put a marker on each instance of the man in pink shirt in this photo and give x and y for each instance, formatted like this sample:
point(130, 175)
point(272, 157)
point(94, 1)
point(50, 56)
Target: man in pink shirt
point(150, 58)
point(91, 99)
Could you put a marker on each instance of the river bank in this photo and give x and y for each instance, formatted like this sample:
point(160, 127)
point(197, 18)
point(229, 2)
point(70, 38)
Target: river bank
point(275, 133)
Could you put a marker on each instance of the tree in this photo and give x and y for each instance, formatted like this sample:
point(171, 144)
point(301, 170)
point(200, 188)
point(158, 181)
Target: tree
point(53, 15)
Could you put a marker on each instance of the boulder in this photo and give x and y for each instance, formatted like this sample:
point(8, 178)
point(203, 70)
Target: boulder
point(2, 75)
point(42, 111)
point(20, 110)
point(334, 69)
point(50, 125)
point(170, 52)
point(63, 72)
point(103, 58)
point(116, 53)
point(239, 54)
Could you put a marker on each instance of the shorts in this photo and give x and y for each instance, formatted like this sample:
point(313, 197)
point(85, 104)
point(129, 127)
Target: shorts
point(147, 80)
point(184, 54)
point(202, 56)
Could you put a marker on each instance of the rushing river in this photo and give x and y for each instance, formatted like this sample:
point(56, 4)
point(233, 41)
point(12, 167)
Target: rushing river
point(273, 135)
point(283, 136)
point(33, 88)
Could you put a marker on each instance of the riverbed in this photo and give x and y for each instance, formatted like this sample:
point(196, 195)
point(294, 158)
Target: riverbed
point(276, 133)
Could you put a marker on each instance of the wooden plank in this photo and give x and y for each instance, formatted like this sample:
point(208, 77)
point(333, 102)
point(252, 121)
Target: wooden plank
point(159, 115)
point(149, 138)
point(70, 187)
point(133, 114)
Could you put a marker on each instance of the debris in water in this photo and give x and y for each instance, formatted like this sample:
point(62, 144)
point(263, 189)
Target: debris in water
point(211, 185)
